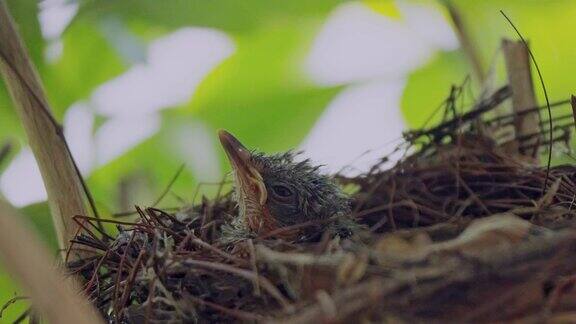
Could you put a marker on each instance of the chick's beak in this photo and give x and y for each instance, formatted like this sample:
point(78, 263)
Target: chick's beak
point(248, 178)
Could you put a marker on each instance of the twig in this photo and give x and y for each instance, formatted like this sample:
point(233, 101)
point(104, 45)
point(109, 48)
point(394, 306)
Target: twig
point(169, 186)
point(254, 265)
point(523, 97)
point(10, 302)
point(242, 315)
point(162, 195)
point(249, 275)
point(211, 248)
point(545, 95)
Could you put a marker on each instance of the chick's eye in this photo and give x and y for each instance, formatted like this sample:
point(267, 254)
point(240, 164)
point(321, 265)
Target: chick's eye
point(282, 191)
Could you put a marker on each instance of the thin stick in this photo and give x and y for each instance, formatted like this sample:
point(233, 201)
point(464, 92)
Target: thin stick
point(162, 195)
point(213, 249)
point(61, 179)
point(551, 135)
point(10, 302)
point(523, 97)
point(169, 186)
point(249, 275)
point(55, 296)
point(254, 264)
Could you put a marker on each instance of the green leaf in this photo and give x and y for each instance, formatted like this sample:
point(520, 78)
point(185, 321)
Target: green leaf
point(260, 93)
point(230, 15)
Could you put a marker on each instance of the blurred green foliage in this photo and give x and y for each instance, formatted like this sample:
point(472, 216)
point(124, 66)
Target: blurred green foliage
point(260, 92)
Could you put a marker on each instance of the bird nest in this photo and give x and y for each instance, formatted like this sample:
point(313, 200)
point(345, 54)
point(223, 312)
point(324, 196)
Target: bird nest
point(466, 226)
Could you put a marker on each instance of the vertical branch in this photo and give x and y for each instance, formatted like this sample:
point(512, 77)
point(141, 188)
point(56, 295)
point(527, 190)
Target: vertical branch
point(523, 98)
point(54, 296)
point(61, 180)
point(468, 45)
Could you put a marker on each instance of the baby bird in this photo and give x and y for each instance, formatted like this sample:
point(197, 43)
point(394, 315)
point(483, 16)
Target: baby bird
point(274, 191)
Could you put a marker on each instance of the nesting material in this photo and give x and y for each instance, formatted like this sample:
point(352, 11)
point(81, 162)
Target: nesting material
point(463, 228)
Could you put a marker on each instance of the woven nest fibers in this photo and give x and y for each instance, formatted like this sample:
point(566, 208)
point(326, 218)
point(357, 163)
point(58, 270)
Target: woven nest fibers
point(461, 229)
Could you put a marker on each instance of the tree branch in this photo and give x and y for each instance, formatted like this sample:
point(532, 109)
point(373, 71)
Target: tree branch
point(62, 182)
point(55, 296)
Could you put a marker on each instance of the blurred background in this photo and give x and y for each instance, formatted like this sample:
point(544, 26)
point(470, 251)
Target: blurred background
point(141, 86)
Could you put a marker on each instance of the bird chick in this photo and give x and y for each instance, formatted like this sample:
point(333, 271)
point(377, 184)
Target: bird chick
point(274, 191)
